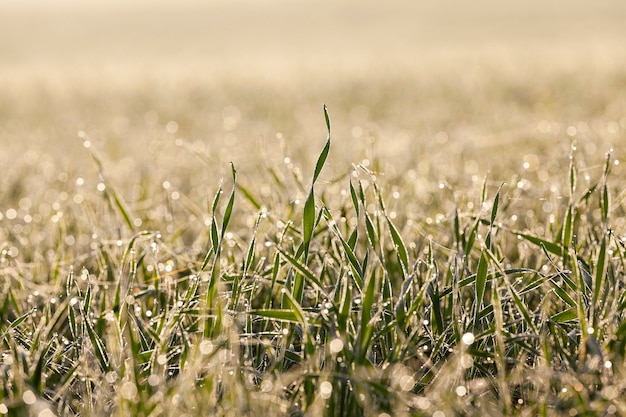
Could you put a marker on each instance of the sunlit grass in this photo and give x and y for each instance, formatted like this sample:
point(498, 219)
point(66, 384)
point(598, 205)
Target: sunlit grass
point(379, 266)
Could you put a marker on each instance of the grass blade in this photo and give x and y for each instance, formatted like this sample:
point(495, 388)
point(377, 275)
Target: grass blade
point(280, 315)
point(366, 329)
point(231, 201)
point(308, 216)
point(302, 269)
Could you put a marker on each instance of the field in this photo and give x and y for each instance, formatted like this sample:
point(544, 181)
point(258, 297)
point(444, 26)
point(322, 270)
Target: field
point(426, 222)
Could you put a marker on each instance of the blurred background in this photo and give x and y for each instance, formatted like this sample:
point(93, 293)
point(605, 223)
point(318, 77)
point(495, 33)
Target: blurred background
point(276, 38)
point(442, 90)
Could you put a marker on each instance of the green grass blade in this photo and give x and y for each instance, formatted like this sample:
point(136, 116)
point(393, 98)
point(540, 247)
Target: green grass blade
point(215, 241)
point(601, 267)
point(15, 323)
point(366, 329)
point(371, 232)
point(565, 316)
point(308, 216)
point(231, 201)
point(302, 269)
point(562, 294)
point(481, 280)
point(522, 308)
point(355, 200)
point(572, 174)
point(605, 203)
point(399, 245)
point(352, 240)
point(492, 219)
point(327, 119)
point(553, 248)
point(321, 160)
point(122, 208)
point(348, 252)
point(308, 221)
point(345, 304)
point(580, 297)
point(206, 260)
point(568, 233)
point(301, 318)
point(280, 315)
point(257, 206)
point(99, 348)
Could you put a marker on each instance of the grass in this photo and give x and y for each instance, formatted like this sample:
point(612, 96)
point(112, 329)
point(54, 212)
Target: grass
point(374, 282)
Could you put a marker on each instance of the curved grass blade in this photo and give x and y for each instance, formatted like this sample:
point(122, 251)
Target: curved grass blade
point(481, 281)
point(231, 201)
point(298, 312)
point(399, 245)
point(492, 219)
point(308, 216)
point(321, 160)
point(302, 269)
point(601, 267)
point(308, 221)
point(366, 328)
point(16, 323)
point(97, 343)
point(249, 197)
point(553, 248)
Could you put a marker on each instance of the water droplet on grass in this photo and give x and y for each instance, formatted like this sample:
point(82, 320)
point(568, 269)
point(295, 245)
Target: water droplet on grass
point(326, 389)
point(128, 390)
point(29, 397)
point(336, 345)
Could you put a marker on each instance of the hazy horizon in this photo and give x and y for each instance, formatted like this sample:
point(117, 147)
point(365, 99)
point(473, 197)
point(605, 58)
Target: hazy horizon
point(278, 38)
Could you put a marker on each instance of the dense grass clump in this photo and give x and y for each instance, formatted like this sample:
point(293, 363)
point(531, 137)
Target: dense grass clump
point(292, 292)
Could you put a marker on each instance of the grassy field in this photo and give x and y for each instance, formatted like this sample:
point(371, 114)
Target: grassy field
point(447, 237)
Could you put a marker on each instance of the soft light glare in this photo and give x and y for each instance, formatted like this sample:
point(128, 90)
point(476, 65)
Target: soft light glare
point(128, 390)
point(206, 347)
point(336, 346)
point(326, 389)
point(29, 397)
point(468, 339)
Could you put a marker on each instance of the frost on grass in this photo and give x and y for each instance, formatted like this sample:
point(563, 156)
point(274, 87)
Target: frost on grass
point(406, 284)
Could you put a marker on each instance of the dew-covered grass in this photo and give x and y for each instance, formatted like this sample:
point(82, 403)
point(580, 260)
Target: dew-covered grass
point(432, 246)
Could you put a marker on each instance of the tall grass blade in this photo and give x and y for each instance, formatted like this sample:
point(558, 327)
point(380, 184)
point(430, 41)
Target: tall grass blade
point(308, 216)
point(601, 268)
point(366, 329)
point(229, 206)
point(100, 349)
point(299, 314)
point(399, 245)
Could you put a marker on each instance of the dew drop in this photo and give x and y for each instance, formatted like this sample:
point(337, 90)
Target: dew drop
point(128, 390)
point(29, 397)
point(468, 338)
point(326, 389)
point(336, 345)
